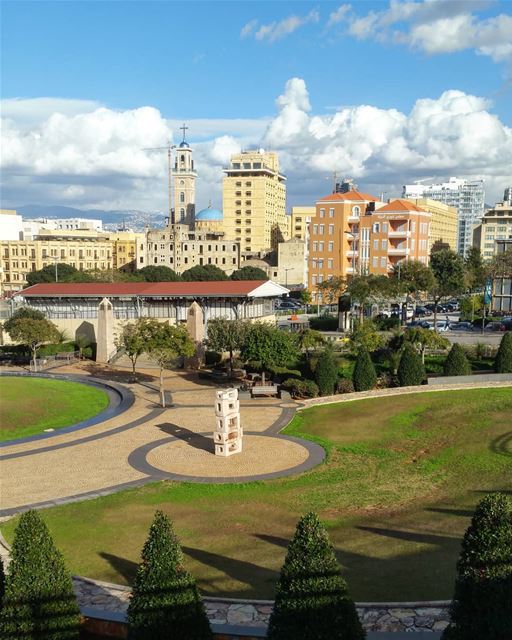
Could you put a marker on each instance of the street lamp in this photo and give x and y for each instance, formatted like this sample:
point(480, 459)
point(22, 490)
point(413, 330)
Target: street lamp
point(56, 260)
point(286, 275)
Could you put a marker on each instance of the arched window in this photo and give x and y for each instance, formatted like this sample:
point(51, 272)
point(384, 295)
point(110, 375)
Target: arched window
point(356, 211)
point(182, 197)
point(182, 157)
point(182, 214)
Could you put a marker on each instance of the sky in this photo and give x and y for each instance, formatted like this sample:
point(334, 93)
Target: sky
point(384, 92)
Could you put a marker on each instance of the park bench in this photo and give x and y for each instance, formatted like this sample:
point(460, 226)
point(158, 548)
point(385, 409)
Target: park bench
point(264, 390)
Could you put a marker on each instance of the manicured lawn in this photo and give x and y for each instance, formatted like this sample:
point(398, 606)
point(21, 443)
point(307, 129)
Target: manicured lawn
point(31, 405)
point(401, 480)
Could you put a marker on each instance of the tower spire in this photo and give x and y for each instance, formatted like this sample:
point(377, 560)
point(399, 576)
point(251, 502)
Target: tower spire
point(184, 128)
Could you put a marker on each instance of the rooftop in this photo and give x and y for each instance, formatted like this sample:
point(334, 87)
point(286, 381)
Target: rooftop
point(350, 196)
point(400, 205)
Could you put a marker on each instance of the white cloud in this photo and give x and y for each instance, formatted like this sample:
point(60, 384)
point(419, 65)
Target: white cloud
point(277, 30)
point(433, 26)
point(97, 158)
point(29, 111)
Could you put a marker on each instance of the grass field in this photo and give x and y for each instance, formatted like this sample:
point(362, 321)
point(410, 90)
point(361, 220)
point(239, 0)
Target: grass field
point(30, 405)
point(401, 480)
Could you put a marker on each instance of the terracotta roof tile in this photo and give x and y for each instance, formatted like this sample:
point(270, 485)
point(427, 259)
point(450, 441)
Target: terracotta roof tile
point(401, 205)
point(213, 288)
point(350, 195)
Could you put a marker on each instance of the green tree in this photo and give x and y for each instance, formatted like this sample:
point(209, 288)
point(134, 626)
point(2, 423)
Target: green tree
point(203, 273)
point(227, 335)
point(165, 602)
point(456, 363)
point(326, 373)
point(164, 344)
point(305, 296)
point(312, 600)
point(364, 376)
point(482, 602)
point(364, 334)
point(32, 332)
point(2, 583)
point(132, 339)
point(308, 340)
point(23, 313)
point(39, 601)
point(159, 273)
point(369, 289)
point(470, 305)
point(332, 288)
point(269, 345)
point(47, 274)
point(475, 273)
point(448, 269)
point(503, 359)
point(411, 371)
point(249, 273)
point(411, 277)
point(424, 339)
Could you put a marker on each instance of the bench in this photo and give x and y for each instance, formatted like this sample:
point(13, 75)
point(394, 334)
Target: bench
point(264, 390)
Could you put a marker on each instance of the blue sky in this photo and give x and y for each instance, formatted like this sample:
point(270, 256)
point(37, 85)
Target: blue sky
point(221, 66)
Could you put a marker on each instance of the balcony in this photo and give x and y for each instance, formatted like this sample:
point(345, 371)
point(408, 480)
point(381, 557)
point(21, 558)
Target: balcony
point(352, 253)
point(398, 251)
point(399, 233)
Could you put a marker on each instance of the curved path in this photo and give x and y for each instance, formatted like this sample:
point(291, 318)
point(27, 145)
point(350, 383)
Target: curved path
point(147, 443)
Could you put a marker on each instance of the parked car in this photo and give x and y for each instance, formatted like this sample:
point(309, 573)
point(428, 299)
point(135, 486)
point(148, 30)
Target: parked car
point(461, 326)
point(284, 304)
point(495, 326)
point(422, 324)
point(422, 312)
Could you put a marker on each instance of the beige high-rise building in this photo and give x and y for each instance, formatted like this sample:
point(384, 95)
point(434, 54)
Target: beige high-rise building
point(496, 227)
point(300, 219)
point(254, 201)
point(443, 223)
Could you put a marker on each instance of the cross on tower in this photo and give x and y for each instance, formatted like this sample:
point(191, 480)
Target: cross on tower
point(183, 128)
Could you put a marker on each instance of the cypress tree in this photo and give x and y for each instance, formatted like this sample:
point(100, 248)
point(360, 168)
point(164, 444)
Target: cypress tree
point(326, 374)
point(411, 371)
point(2, 582)
point(312, 601)
point(165, 602)
point(503, 359)
point(39, 601)
point(364, 376)
point(482, 603)
point(456, 363)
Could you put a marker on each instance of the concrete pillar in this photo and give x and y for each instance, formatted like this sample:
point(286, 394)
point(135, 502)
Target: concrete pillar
point(195, 328)
point(105, 346)
point(228, 431)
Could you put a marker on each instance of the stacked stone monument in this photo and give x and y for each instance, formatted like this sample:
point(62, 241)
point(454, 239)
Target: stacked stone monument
point(228, 431)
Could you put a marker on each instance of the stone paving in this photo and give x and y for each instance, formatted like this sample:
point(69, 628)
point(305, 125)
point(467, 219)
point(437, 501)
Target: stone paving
point(147, 442)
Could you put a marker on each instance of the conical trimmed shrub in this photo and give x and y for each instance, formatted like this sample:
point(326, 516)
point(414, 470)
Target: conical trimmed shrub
point(326, 374)
point(2, 583)
point(411, 371)
point(364, 376)
point(482, 603)
point(456, 363)
point(503, 359)
point(39, 601)
point(312, 601)
point(165, 602)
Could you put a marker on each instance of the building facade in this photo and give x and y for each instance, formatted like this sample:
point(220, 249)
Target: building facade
point(354, 233)
point(496, 226)
point(300, 219)
point(20, 257)
point(444, 222)
point(180, 248)
point(467, 196)
point(254, 201)
point(11, 225)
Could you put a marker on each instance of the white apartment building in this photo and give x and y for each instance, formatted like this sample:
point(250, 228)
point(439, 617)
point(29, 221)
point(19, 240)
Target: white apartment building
point(467, 196)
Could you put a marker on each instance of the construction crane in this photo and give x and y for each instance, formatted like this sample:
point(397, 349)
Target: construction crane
point(169, 149)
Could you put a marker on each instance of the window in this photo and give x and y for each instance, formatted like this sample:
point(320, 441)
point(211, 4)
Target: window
point(376, 227)
point(384, 227)
point(315, 229)
point(320, 247)
point(384, 245)
point(315, 246)
point(298, 219)
point(376, 244)
point(321, 229)
point(330, 246)
point(313, 263)
point(314, 279)
point(331, 213)
point(331, 229)
point(413, 226)
point(321, 263)
point(423, 244)
point(383, 262)
point(375, 261)
point(356, 211)
point(182, 196)
point(330, 263)
point(322, 213)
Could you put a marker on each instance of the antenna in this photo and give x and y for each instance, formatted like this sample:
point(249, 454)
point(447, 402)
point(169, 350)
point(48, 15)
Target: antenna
point(169, 149)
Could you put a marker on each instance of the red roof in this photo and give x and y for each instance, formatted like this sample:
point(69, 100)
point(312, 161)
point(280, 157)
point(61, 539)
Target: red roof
point(401, 205)
point(215, 288)
point(350, 195)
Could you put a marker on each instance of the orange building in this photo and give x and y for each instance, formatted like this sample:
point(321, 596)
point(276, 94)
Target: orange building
point(356, 233)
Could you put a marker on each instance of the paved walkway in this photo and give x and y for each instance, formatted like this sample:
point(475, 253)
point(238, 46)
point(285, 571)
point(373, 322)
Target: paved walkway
point(147, 443)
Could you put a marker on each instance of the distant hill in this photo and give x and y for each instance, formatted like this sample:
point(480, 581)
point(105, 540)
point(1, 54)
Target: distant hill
point(134, 219)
